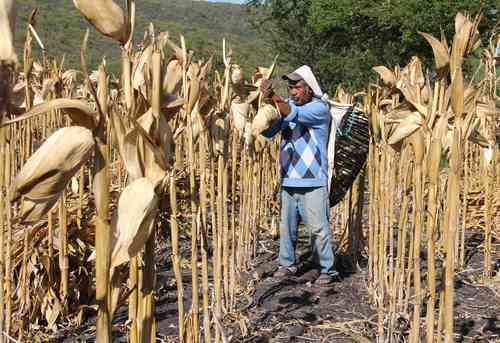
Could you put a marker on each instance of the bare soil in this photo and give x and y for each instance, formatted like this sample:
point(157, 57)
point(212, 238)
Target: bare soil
point(294, 309)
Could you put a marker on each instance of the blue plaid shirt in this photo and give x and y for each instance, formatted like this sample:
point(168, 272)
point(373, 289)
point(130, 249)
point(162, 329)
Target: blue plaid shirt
point(303, 147)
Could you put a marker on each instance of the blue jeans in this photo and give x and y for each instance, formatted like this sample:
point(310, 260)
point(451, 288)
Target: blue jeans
point(312, 205)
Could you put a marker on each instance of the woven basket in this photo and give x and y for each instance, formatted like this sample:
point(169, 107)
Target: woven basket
point(351, 150)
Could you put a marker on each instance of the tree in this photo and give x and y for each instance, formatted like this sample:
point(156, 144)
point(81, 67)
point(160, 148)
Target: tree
point(343, 39)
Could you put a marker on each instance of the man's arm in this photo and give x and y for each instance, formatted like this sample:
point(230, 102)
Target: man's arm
point(273, 129)
point(311, 114)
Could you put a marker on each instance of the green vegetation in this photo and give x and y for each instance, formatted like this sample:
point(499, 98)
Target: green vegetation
point(204, 25)
point(343, 39)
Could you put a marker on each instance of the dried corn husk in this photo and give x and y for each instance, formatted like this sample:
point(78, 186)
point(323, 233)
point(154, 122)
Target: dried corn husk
point(397, 116)
point(32, 210)
point(51, 307)
point(417, 140)
point(264, 118)
point(487, 109)
point(194, 85)
point(180, 54)
point(219, 132)
point(140, 71)
point(166, 139)
point(260, 143)
point(386, 75)
point(463, 30)
point(170, 105)
point(457, 92)
point(153, 155)
point(407, 126)
point(238, 80)
point(173, 76)
point(410, 92)
point(74, 185)
point(415, 72)
point(133, 221)
point(237, 76)
point(50, 168)
point(7, 23)
point(131, 156)
point(198, 122)
point(247, 134)
point(107, 17)
point(441, 55)
point(239, 113)
point(376, 125)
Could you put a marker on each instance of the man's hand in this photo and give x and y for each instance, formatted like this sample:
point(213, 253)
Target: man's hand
point(266, 88)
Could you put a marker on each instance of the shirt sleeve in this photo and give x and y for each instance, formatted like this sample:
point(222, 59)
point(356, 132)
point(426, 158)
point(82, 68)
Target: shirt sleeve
point(273, 129)
point(312, 114)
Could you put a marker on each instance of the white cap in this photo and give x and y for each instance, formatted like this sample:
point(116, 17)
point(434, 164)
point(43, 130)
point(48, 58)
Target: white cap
point(305, 73)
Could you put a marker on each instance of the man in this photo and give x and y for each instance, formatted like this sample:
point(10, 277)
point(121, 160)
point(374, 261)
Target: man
point(304, 126)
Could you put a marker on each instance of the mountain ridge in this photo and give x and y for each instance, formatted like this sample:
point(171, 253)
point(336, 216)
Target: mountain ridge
point(203, 24)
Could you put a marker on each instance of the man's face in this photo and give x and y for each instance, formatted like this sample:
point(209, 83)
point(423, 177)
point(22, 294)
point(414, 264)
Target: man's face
point(298, 92)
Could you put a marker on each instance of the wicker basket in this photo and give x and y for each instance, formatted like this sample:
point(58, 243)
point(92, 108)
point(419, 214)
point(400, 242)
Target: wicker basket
point(351, 150)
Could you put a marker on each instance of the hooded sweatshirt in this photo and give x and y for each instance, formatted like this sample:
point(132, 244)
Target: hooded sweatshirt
point(304, 138)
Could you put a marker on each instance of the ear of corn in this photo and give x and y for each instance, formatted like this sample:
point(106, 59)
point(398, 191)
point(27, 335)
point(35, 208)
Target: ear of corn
point(457, 92)
point(173, 76)
point(194, 86)
point(237, 76)
point(239, 112)
point(32, 210)
point(140, 72)
point(219, 131)
point(7, 24)
point(133, 221)
point(107, 17)
point(265, 116)
point(153, 157)
point(132, 157)
point(464, 37)
point(49, 169)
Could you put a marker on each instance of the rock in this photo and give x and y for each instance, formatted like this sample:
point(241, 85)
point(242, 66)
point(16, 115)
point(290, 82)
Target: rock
point(265, 270)
point(294, 331)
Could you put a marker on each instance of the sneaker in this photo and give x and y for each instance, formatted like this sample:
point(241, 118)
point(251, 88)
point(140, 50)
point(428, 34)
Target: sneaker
point(283, 272)
point(324, 280)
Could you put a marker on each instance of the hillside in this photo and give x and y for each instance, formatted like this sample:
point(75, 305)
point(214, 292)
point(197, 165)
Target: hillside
point(203, 24)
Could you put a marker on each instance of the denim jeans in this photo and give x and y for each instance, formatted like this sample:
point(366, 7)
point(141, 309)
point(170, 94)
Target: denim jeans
point(313, 207)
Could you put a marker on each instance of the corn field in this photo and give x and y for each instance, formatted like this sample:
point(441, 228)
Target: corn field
point(99, 173)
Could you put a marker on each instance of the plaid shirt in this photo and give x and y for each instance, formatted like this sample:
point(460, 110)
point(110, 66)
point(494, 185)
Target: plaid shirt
point(303, 147)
